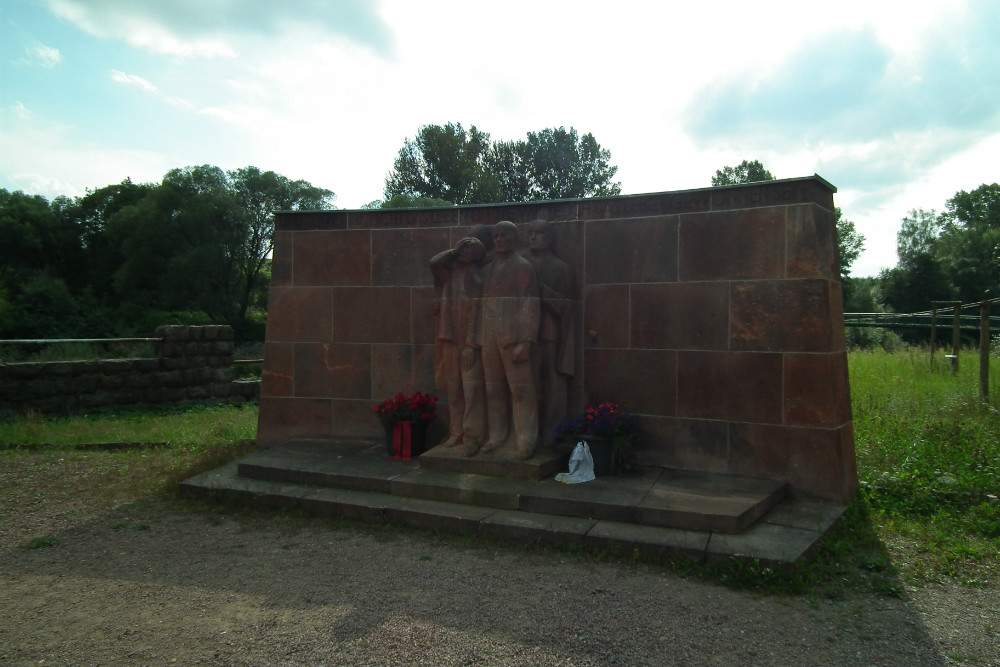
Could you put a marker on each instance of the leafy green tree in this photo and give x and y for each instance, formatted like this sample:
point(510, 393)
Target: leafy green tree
point(258, 196)
point(863, 296)
point(911, 289)
point(41, 255)
point(561, 165)
point(849, 243)
point(442, 162)
point(102, 244)
point(42, 308)
point(748, 171)
point(450, 164)
point(34, 236)
point(409, 201)
point(917, 237)
point(507, 172)
point(195, 243)
point(919, 277)
point(969, 242)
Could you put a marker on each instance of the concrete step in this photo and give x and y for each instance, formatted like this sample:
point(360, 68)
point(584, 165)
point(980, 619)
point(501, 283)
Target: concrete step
point(656, 512)
point(649, 496)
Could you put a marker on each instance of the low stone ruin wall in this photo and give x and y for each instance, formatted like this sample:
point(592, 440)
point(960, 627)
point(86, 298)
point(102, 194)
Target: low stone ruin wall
point(194, 364)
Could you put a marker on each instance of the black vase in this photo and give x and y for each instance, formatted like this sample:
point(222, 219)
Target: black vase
point(418, 438)
point(606, 459)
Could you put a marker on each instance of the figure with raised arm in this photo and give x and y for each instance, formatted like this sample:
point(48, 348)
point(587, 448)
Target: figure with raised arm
point(458, 366)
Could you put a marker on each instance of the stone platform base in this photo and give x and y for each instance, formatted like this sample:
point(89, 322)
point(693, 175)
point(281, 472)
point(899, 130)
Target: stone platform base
point(545, 463)
point(657, 512)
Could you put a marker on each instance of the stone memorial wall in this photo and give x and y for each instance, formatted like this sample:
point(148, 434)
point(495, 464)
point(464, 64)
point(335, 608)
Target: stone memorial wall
point(714, 314)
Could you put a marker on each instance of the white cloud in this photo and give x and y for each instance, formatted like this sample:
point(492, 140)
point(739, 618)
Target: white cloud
point(133, 80)
point(178, 102)
point(19, 111)
point(46, 56)
point(33, 145)
point(195, 28)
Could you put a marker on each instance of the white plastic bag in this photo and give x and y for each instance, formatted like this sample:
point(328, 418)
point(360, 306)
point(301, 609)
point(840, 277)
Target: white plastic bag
point(581, 466)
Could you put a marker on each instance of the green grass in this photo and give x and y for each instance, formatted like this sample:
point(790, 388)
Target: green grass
point(928, 451)
point(189, 428)
point(39, 461)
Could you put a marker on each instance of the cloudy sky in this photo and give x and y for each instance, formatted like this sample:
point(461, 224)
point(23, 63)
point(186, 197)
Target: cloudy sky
point(895, 103)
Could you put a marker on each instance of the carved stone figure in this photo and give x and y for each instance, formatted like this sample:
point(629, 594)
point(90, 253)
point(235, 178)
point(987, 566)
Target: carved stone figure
point(509, 318)
point(459, 369)
point(554, 354)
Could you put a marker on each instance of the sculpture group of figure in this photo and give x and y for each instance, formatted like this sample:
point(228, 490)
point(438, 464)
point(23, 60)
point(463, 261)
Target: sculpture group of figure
point(505, 350)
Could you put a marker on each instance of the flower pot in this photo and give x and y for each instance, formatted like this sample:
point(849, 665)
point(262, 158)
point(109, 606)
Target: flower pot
point(405, 439)
point(606, 459)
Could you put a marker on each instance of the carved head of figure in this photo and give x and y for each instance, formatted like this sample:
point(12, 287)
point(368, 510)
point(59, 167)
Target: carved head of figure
point(470, 250)
point(539, 236)
point(504, 237)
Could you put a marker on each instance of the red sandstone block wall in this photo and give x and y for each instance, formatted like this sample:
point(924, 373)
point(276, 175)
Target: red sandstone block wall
point(715, 314)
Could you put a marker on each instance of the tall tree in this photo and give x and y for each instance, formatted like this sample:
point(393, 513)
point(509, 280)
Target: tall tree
point(507, 173)
point(561, 165)
point(748, 171)
point(849, 243)
point(919, 276)
point(917, 237)
point(969, 244)
point(258, 196)
point(200, 240)
point(40, 253)
point(448, 163)
point(442, 162)
point(102, 245)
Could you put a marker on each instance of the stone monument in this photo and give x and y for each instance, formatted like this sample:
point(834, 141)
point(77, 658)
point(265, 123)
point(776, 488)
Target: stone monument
point(713, 314)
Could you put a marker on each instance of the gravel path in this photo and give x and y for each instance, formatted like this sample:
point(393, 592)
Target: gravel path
point(165, 583)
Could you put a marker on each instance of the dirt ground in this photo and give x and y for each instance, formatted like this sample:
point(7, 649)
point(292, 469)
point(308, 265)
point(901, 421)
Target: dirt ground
point(172, 582)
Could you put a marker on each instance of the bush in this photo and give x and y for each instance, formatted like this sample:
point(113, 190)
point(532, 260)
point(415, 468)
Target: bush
point(870, 338)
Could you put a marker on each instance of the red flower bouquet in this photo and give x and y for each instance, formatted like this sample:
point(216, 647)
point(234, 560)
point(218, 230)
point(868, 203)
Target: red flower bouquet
point(417, 407)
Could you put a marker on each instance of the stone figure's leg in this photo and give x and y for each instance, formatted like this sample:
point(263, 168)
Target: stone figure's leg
point(474, 422)
point(524, 401)
point(451, 376)
point(553, 392)
point(497, 396)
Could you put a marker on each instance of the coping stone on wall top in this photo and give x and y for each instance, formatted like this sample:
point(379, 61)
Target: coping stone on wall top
point(722, 197)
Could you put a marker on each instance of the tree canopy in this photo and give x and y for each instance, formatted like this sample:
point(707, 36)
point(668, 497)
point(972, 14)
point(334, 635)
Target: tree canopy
point(459, 166)
point(118, 260)
point(748, 171)
point(949, 255)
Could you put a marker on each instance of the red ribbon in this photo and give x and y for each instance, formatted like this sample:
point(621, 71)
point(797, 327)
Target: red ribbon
point(401, 440)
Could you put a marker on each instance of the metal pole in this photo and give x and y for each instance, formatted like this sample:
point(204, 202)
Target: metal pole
point(984, 350)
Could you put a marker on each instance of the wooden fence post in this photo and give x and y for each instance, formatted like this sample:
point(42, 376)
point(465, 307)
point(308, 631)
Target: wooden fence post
point(984, 350)
point(933, 333)
point(956, 337)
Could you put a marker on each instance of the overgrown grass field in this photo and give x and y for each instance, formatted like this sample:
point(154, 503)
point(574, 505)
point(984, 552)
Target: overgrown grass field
point(928, 453)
